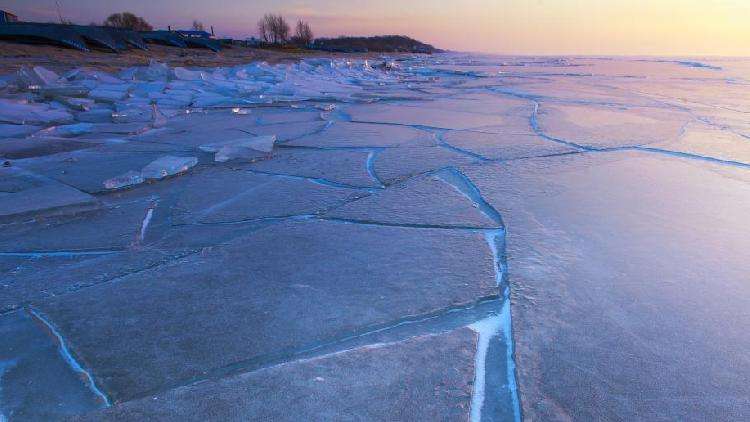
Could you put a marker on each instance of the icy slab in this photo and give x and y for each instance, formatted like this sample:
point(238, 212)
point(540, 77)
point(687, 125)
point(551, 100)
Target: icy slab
point(119, 128)
point(168, 165)
point(24, 113)
point(88, 169)
point(17, 130)
point(420, 115)
point(34, 277)
point(710, 142)
point(71, 95)
point(251, 276)
point(348, 168)
point(196, 129)
point(66, 131)
point(127, 179)
point(565, 89)
point(288, 131)
point(227, 196)
point(39, 379)
point(36, 77)
point(426, 201)
point(391, 226)
point(419, 379)
point(188, 75)
point(112, 227)
point(249, 147)
point(504, 146)
point(96, 115)
point(602, 127)
point(394, 164)
point(257, 143)
point(286, 116)
point(19, 148)
point(79, 104)
point(481, 103)
point(109, 93)
point(23, 194)
point(158, 119)
point(601, 250)
point(346, 134)
point(155, 71)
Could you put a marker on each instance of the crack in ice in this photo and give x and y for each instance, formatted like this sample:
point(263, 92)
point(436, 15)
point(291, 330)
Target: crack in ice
point(69, 359)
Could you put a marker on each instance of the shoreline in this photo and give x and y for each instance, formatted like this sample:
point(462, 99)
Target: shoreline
point(13, 56)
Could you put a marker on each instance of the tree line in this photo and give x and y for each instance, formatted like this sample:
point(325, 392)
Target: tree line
point(274, 29)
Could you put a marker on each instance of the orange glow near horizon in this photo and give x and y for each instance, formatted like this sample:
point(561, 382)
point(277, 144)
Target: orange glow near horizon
point(665, 27)
point(550, 27)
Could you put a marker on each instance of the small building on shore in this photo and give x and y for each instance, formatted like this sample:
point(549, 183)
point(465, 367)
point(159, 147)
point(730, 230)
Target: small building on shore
point(6, 17)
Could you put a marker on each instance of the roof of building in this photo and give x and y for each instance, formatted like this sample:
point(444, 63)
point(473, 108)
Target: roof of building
point(192, 33)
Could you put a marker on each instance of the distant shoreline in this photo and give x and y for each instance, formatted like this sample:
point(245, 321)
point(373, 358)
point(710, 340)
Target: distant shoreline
point(13, 56)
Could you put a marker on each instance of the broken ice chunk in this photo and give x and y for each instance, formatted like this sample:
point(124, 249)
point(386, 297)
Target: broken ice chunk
point(247, 148)
point(36, 77)
point(12, 131)
point(258, 143)
point(154, 72)
point(157, 118)
point(96, 115)
point(231, 152)
point(168, 165)
point(55, 92)
point(130, 178)
point(20, 112)
point(68, 130)
point(188, 75)
point(131, 115)
point(81, 104)
point(108, 94)
point(211, 99)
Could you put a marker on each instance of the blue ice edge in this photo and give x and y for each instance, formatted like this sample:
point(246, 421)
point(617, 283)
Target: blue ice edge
point(499, 325)
point(70, 360)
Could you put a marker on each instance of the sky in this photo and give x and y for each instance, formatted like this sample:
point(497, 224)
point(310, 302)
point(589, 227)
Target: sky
point(527, 27)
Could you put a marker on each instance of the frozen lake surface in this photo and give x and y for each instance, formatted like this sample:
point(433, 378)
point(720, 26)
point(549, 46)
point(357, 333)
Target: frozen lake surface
point(454, 237)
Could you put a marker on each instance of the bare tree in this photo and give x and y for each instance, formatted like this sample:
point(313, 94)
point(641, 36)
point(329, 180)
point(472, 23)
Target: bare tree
point(273, 28)
point(198, 26)
point(303, 35)
point(264, 28)
point(127, 20)
point(281, 29)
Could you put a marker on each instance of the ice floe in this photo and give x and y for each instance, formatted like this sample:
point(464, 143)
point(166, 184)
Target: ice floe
point(168, 165)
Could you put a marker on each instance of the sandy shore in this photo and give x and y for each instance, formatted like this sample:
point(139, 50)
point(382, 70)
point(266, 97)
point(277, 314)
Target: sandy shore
point(13, 56)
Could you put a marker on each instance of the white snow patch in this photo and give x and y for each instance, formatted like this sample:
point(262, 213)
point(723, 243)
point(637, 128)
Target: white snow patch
point(505, 318)
point(492, 237)
point(146, 221)
point(486, 328)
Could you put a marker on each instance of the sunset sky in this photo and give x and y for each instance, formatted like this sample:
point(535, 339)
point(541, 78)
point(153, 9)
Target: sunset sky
point(616, 27)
